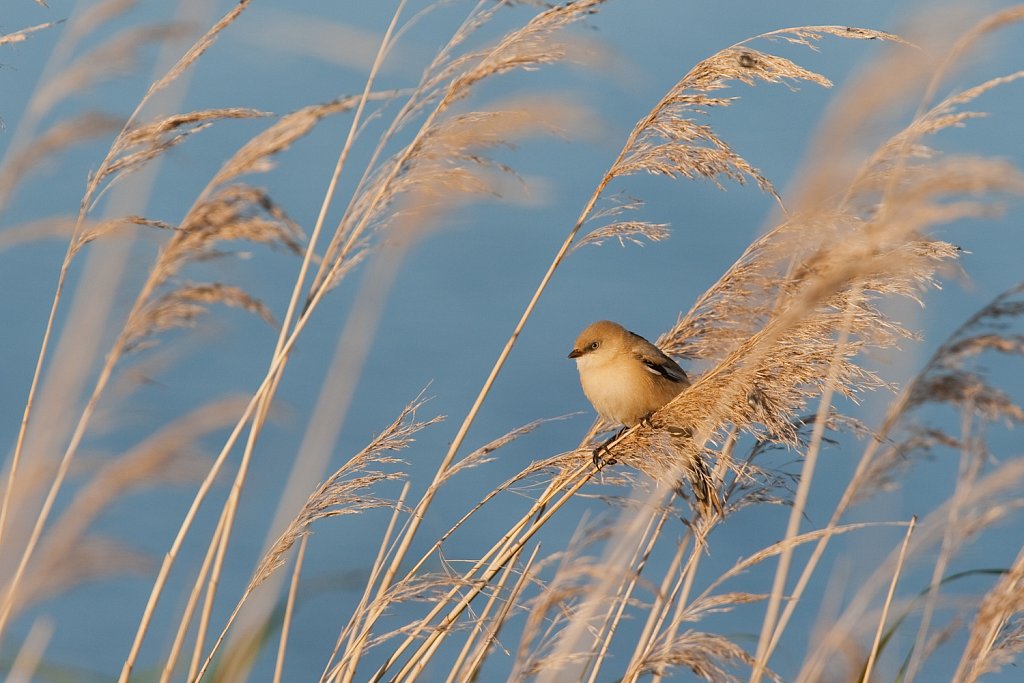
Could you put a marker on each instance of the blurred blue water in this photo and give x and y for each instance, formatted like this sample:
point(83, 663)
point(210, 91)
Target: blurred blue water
point(460, 291)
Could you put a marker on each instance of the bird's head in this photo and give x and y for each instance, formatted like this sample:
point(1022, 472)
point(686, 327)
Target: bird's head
point(600, 341)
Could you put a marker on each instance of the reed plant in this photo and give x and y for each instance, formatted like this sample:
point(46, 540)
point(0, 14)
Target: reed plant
point(783, 350)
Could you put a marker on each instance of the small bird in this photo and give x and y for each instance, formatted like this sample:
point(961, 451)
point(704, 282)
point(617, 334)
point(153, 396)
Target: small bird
point(624, 376)
point(627, 378)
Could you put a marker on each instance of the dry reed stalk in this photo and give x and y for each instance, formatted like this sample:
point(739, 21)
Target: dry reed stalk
point(657, 612)
point(229, 214)
point(660, 159)
point(352, 629)
point(943, 378)
point(649, 156)
point(617, 608)
point(888, 602)
point(253, 156)
point(521, 48)
point(554, 604)
point(340, 494)
point(478, 137)
point(502, 552)
point(500, 619)
point(990, 499)
point(29, 656)
point(289, 608)
point(104, 375)
point(170, 662)
point(800, 500)
point(480, 620)
point(969, 468)
point(353, 624)
point(850, 373)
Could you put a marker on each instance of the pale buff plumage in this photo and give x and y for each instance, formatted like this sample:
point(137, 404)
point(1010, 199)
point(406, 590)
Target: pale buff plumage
point(627, 378)
point(624, 376)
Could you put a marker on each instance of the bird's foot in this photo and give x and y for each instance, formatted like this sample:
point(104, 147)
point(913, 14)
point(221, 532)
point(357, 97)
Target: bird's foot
point(603, 456)
point(603, 453)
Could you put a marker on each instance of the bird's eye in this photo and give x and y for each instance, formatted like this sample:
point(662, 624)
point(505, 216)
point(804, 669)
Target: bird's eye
point(594, 345)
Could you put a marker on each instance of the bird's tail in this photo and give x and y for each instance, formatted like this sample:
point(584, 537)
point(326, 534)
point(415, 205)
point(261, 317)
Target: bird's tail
point(704, 488)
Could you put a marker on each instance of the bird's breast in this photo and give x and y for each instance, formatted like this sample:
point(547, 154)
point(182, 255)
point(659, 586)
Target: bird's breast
point(623, 391)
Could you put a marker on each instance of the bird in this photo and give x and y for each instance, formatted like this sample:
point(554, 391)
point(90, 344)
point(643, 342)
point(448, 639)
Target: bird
point(627, 379)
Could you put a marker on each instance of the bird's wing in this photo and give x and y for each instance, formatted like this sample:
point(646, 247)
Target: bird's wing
point(657, 362)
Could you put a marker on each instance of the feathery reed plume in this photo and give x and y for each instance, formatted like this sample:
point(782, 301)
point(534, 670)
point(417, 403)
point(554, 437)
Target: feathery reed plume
point(997, 632)
point(233, 213)
point(709, 656)
point(446, 81)
point(624, 230)
point(337, 494)
point(112, 58)
point(343, 493)
point(951, 376)
point(670, 142)
point(59, 137)
point(68, 556)
point(254, 156)
point(981, 503)
point(802, 286)
point(136, 145)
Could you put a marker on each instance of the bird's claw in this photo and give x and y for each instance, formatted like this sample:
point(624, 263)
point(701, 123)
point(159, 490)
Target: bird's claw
point(602, 456)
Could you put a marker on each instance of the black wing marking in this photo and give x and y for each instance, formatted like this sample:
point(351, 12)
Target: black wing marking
point(670, 370)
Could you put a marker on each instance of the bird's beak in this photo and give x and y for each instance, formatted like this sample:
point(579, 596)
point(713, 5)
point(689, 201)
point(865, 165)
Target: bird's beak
point(576, 353)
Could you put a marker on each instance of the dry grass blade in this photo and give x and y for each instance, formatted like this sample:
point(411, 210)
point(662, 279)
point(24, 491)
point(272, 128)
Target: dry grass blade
point(23, 34)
